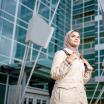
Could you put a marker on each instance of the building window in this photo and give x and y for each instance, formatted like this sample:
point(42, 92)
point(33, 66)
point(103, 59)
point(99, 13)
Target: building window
point(43, 101)
point(30, 101)
point(38, 101)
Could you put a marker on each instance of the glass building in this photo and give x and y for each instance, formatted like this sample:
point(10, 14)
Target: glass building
point(83, 15)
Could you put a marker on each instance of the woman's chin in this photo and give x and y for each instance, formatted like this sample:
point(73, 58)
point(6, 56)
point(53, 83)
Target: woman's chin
point(75, 46)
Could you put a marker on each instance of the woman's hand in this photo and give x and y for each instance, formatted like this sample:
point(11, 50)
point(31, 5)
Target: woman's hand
point(72, 57)
point(85, 61)
point(87, 65)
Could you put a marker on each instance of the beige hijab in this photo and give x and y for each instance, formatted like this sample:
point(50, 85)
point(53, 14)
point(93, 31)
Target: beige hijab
point(67, 45)
point(67, 42)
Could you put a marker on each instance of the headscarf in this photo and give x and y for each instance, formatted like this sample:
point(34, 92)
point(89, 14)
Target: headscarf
point(68, 47)
point(67, 43)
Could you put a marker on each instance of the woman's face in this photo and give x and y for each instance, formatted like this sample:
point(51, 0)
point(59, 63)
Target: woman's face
point(74, 39)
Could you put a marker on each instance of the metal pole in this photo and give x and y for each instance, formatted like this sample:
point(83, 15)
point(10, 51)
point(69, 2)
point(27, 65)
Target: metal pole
point(35, 7)
point(38, 6)
point(95, 90)
point(54, 13)
point(14, 30)
point(30, 75)
point(17, 93)
point(83, 31)
point(96, 102)
point(98, 37)
point(6, 91)
point(71, 19)
point(23, 63)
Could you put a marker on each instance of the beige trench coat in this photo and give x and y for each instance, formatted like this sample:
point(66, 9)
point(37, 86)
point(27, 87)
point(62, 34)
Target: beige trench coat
point(70, 80)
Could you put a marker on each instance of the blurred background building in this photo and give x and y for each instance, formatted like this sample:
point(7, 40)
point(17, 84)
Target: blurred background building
point(83, 15)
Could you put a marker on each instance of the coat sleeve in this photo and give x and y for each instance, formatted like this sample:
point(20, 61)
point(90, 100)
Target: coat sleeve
point(59, 66)
point(87, 74)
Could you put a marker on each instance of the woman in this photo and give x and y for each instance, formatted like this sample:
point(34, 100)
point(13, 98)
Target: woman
point(70, 73)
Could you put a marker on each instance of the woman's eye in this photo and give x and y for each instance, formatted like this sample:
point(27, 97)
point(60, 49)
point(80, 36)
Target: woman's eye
point(73, 35)
point(78, 37)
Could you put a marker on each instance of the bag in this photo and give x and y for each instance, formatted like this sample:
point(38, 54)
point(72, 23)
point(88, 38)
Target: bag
point(51, 83)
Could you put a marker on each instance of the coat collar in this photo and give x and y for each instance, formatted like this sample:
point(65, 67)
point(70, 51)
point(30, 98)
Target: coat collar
point(68, 50)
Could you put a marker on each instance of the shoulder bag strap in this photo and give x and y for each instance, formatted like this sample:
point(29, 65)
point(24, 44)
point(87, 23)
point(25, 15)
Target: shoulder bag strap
point(66, 52)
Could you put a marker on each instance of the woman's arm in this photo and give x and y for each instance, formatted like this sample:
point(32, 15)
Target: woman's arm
point(59, 66)
point(87, 76)
point(88, 71)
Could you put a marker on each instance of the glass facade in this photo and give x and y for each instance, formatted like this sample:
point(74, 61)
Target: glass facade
point(84, 20)
point(14, 19)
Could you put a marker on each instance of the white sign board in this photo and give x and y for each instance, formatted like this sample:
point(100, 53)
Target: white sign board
point(39, 32)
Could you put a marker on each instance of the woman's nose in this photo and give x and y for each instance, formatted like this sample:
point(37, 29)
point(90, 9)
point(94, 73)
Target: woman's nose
point(76, 38)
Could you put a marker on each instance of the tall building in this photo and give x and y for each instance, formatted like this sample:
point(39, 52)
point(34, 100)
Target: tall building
point(87, 19)
point(81, 15)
